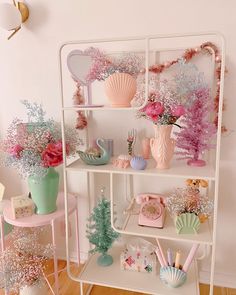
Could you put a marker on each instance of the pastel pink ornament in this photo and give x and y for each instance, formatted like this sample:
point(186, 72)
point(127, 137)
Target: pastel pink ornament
point(123, 161)
point(162, 146)
point(120, 89)
point(178, 111)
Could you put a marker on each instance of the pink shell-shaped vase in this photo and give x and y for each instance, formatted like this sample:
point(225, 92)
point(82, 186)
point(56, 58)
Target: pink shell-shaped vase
point(120, 89)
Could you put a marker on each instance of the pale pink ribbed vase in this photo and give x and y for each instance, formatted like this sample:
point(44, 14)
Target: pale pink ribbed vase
point(120, 89)
point(162, 146)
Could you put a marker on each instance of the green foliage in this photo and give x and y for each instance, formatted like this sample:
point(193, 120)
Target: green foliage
point(99, 231)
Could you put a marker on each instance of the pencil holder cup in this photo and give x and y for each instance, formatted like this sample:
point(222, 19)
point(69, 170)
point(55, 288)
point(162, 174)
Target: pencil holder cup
point(187, 223)
point(172, 277)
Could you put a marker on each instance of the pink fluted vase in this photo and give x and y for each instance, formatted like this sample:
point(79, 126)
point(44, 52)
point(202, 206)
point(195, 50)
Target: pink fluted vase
point(162, 146)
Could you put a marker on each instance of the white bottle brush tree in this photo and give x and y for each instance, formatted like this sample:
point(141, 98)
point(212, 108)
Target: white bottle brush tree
point(100, 232)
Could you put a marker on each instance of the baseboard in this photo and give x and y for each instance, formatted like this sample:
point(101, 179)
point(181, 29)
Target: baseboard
point(220, 279)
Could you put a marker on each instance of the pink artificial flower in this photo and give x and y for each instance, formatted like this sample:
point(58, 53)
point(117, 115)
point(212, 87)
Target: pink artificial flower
point(178, 111)
point(52, 156)
point(153, 110)
point(15, 150)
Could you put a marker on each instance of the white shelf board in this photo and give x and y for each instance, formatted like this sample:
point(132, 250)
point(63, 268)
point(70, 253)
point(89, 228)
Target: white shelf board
point(131, 227)
point(112, 276)
point(178, 169)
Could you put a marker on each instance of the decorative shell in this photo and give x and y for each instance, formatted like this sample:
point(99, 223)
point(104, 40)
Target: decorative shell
point(173, 277)
point(187, 223)
point(138, 163)
point(120, 88)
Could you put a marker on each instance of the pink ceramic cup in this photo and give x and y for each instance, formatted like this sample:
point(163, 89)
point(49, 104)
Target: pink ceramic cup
point(146, 148)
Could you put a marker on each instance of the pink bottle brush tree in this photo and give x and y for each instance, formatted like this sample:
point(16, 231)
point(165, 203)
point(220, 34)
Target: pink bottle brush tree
point(197, 132)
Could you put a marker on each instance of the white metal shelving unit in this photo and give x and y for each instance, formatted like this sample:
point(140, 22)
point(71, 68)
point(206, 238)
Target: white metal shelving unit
point(113, 276)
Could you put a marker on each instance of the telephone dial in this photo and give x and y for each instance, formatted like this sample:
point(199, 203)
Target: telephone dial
point(152, 210)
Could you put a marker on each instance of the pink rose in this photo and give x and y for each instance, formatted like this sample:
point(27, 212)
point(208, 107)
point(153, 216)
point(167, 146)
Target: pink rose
point(15, 150)
point(53, 154)
point(178, 111)
point(154, 109)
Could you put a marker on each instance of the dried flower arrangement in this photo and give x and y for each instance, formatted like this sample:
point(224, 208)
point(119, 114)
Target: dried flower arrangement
point(182, 200)
point(105, 65)
point(32, 147)
point(23, 263)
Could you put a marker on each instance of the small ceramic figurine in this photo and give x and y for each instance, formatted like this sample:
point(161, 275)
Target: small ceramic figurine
point(123, 161)
point(92, 159)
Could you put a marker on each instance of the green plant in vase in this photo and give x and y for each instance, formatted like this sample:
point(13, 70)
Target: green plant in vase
point(100, 232)
point(34, 149)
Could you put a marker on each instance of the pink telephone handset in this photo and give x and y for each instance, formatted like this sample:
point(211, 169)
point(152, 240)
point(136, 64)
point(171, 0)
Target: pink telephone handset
point(152, 210)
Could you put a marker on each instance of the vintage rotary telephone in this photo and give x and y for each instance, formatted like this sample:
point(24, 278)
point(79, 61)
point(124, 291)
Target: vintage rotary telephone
point(152, 210)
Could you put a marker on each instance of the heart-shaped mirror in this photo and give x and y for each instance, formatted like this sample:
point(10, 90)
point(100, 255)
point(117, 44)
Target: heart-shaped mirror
point(79, 65)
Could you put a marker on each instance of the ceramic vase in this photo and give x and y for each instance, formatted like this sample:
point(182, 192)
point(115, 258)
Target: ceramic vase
point(146, 148)
point(187, 223)
point(39, 288)
point(162, 146)
point(120, 89)
point(172, 277)
point(105, 260)
point(44, 191)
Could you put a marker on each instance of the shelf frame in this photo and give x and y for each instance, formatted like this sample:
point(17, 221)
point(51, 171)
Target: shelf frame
point(218, 143)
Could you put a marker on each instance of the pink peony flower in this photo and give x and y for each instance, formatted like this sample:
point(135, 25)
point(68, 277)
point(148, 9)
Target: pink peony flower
point(178, 111)
point(52, 156)
point(153, 110)
point(15, 150)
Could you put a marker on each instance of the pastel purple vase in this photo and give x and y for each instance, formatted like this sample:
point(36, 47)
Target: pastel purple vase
point(162, 146)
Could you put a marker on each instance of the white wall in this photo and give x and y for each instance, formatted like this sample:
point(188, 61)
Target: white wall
point(29, 70)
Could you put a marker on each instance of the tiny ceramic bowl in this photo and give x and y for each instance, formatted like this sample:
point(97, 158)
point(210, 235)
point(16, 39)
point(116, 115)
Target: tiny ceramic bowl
point(138, 163)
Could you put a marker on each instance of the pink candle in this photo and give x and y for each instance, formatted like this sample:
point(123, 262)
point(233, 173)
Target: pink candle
point(190, 257)
point(162, 254)
point(159, 256)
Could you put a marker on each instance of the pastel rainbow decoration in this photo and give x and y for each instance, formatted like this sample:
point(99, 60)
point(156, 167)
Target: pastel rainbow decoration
point(91, 159)
point(172, 277)
point(187, 223)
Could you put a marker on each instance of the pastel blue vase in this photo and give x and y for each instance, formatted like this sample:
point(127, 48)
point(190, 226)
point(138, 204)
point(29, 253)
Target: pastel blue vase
point(105, 260)
point(44, 191)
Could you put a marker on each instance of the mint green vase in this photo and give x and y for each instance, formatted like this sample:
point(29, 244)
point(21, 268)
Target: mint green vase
point(44, 191)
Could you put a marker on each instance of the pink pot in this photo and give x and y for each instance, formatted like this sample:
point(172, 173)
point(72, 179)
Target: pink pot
point(162, 146)
point(120, 89)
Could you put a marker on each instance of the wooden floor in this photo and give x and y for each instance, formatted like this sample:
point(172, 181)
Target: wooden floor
point(69, 287)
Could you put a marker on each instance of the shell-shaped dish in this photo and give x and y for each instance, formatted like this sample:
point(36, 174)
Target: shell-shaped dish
point(120, 89)
point(138, 163)
point(187, 223)
point(173, 277)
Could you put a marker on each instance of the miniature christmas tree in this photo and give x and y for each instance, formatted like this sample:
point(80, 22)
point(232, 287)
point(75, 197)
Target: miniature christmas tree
point(197, 129)
point(100, 232)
